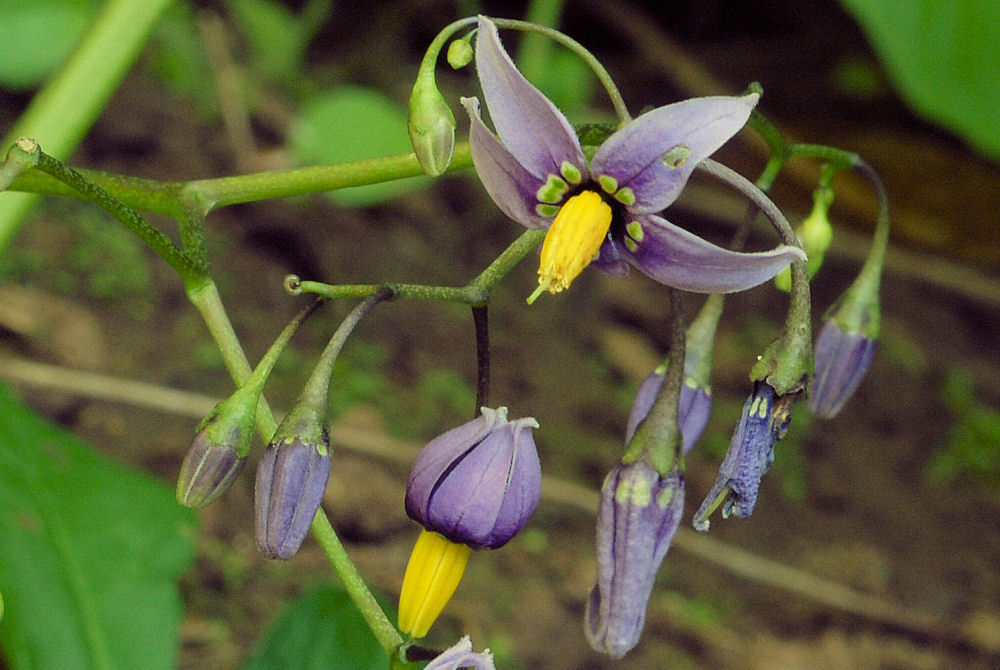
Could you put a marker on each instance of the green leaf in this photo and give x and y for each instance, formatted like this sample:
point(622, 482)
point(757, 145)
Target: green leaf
point(351, 123)
point(322, 630)
point(274, 33)
point(942, 55)
point(37, 36)
point(90, 553)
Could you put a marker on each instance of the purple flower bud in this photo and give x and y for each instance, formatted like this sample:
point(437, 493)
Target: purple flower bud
point(638, 515)
point(479, 483)
point(692, 410)
point(291, 479)
point(764, 421)
point(208, 470)
point(842, 359)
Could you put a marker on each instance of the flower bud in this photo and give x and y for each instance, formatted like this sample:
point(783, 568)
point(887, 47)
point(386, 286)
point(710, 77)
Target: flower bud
point(639, 513)
point(815, 235)
point(473, 487)
point(291, 480)
point(460, 53)
point(692, 410)
point(208, 470)
point(764, 421)
point(842, 359)
point(431, 125)
point(218, 451)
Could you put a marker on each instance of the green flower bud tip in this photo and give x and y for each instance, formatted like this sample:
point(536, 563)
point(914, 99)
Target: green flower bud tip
point(431, 125)
point(815, 235)
point(460, 53)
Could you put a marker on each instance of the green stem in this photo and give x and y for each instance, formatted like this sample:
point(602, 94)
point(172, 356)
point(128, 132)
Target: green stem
point(386, 634)
point(190, 271)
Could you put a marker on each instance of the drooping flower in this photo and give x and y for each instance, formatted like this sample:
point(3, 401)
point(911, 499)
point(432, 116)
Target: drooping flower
point(460, 655)
point(473, 487)
point(638, 515)
point(763, 422)
point(604, 210)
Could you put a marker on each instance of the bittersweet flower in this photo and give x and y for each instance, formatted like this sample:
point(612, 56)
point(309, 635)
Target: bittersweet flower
point(602, 208)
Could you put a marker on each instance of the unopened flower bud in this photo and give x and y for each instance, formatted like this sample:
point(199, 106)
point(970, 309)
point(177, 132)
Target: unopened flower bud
point(431, 125)
point(692, 410)
point(473, 487)
point(291, 480)
point(842, 359)
point(460, 53)
point(639, 512)
point(815, 235)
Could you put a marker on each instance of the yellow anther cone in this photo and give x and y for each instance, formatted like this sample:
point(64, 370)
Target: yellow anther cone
point(572, 241)
point(432, 575)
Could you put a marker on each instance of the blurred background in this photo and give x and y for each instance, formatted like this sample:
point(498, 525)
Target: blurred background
point(896, 499)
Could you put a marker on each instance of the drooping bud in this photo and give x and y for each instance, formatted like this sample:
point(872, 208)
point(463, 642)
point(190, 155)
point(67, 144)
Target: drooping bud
point(460, 53)
point(815, 235)
point(639, 512)
point(473, 487)
point(291, 480)
point(842, 359)
point(764, 421)
point(218, 451)
point(431, 125)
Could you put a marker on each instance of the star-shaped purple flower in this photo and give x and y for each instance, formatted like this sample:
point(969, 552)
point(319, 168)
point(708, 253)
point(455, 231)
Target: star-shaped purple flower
point(604, 210)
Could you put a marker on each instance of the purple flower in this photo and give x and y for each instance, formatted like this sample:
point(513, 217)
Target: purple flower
point(604, 209)
point(692, 410)
point(461, 656)
point(842, 359)
point(764, 421)
point(479, 483)
point(291, 480)
point(638, 515)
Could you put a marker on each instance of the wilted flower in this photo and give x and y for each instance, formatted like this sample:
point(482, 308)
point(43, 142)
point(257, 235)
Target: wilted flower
point(842, 359)
point(692, 409)
point(603, 210)
point(291, 480)
point(764, 421)
point(473, 487)
point(461, 656)
point(638, 515)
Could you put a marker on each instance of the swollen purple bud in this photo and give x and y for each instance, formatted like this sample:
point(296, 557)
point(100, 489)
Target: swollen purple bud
point(638, 515)
point(291, 479)
point(692, 410)
point(842, 359)
point(479, 483)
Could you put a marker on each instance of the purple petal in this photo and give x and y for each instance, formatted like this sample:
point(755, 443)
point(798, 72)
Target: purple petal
point(692, 409)
point(537, 134)
point(675, 257)
point(461, 656)
point(512, 187)
point(634, 155)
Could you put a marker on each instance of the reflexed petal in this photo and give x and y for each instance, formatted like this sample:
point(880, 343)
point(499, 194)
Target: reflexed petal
point(537, 134)
point(462, 656)
point(439, 455)
point(675, 257)
point(634, 155)
point(512, 187)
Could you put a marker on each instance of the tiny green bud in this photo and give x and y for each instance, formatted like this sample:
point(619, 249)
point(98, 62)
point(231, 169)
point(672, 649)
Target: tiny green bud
point(460, 53)
point(431, 125)
point(815, 234)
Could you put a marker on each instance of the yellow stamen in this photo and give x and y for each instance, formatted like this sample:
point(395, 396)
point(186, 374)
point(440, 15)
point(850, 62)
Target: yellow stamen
point(432, 575)
point(572, 241)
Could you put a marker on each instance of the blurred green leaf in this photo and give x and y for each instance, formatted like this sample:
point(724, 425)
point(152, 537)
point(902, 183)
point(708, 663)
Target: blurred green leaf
point(276, 38)
point(37, 36)
point(90, 553)
point(322, 630)
point(351, 123)
point(942, 55)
